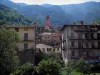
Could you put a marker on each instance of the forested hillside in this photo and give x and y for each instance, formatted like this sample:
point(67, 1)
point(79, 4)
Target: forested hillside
point(12, 17)
point(60, 14)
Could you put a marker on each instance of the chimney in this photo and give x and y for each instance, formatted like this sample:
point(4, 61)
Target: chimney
point(81, 22)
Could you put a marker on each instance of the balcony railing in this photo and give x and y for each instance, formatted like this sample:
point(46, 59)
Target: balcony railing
point(84, 48)
point(84, 39)
point(29, 39)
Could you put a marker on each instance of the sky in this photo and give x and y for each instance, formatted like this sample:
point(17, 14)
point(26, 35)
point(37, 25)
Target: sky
point(55, 2)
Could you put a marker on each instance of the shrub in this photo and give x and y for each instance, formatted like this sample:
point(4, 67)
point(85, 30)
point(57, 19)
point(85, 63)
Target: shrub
point(48, 67)
point(25, 69)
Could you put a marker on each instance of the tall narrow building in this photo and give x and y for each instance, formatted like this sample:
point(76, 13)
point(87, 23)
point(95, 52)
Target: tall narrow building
point(47, 25)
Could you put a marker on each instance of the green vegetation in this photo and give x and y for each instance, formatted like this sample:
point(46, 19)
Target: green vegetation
point(25, 69)
point(48, 67)
point(96, 21)
point(8, 61)
point(11, 17)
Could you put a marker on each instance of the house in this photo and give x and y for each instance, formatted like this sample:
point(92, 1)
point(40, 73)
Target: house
point(81, 41)
point(48, 49)
point(26, 48)
point(49, 40)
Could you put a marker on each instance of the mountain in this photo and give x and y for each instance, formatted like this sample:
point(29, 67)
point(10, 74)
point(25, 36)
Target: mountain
point(96, 22)
point(87, 12)
point(60, 14)
point(46, 5)
point(39, 12)
point(10, 16)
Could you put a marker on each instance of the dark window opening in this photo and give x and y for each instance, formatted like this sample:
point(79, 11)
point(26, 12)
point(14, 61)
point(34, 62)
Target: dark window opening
point(48, 49)
point(98, 44)
point(25, 45)
point(17, 29)
point(73, 53)
point(80, 44)
point(26, 36)
point(72, 44)
point(98, 35)
point(92, 36)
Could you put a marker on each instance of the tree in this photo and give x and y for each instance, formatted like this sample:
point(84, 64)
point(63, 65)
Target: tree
point(69, 67)
point(25, 69)
point(48, 67)
point(40, 56)
point(83, 67)
point(8, 60)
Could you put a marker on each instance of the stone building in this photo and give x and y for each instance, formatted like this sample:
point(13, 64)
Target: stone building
point(81, 41)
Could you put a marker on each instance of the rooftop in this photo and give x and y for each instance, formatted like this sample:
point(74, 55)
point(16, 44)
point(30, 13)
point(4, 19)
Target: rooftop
point(78, 25)
point(7, 26)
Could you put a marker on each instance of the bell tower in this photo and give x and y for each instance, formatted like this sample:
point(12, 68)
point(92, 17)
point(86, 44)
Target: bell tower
point(47, 25)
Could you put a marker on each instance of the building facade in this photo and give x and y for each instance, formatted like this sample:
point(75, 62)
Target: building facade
point(26, 48)
point(51, 38)
point(26, 35)
point(48, 49)
point(80, 41)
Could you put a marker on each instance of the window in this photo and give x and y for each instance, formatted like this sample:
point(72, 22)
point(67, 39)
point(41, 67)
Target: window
point(95, 35)
point(87, 45)
point(73, 53)
point(25, 45)
point(17, 29)
point(25, 36)
point(48, 49)
point(93, 46)
point(72, 44)
point(84, 45)
point(84, 54)
point(90, 45)
point(79, 35)
point(57, 49)
point(80, 44)
point(43, 49)
point(98, 34)
point(86, 35)
point(98, 44)
point(25, 29)
point(92, 36)
point(54, 49)
point(90, 54)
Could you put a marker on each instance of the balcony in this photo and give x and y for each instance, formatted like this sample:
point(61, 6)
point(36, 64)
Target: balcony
point(85, 48)
point(29, 39)
point(84, 39)
point(87, 29)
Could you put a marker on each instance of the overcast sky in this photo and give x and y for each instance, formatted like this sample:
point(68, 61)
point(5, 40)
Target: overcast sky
point(56, 2)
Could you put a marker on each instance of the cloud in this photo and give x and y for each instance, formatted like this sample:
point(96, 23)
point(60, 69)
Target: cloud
point(52, 1)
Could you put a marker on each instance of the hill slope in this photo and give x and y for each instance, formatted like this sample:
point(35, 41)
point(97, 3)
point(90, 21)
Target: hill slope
point(61, 14)
point(10, 16)
point(38, 12)
point(87, 12)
